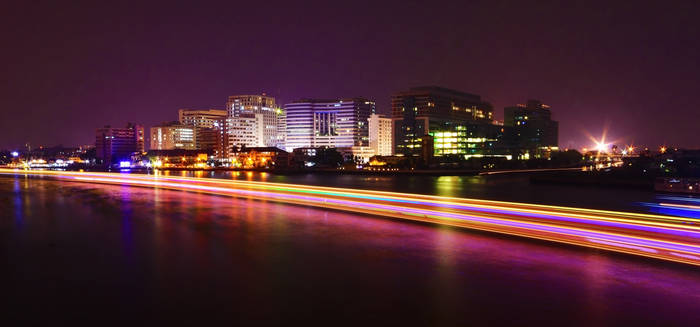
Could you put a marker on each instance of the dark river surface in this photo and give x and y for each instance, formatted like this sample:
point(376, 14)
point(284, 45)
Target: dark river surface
point(99, 254)
point(506, 187)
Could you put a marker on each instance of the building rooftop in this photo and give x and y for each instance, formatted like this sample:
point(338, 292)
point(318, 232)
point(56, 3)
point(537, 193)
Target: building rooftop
point(439, 90)
point(311, 100)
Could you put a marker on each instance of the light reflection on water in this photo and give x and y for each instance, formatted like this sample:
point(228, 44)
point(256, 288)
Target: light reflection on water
point(223, 258)
point(505, 187)
point(675, 205)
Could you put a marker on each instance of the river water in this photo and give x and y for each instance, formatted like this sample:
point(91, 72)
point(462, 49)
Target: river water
point(506, 187)
point(76, 252)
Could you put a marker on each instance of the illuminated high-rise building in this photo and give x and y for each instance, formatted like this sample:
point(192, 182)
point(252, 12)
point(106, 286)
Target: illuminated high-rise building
point(534, 131)
point(171, 136)
point(282, 129)
point(328, 123)
point(208, 118)
point(209, 127)
point(247, 130)
point(117, 144)
point(259, 114)
point(420, 110)
point(380, 135)
point(461, 142)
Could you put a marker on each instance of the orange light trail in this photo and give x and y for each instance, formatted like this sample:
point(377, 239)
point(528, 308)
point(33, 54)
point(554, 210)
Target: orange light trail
point(657, 236)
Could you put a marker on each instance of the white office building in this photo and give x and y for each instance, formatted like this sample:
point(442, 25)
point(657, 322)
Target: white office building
point(266, 126)
point(332, 123)
point(380, 135)
point(246, 130)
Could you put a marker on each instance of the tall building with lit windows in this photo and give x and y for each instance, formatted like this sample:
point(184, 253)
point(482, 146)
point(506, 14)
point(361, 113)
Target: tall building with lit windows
point(534, 131)
point(208, 125)
point(208, 118)
point(281, 129)
point(380, 135)
point(247, 130)
point(173, 135)
point(420, 110)
point(260, 115)
point(116, 144)
point(339, 123)
point(472, 141)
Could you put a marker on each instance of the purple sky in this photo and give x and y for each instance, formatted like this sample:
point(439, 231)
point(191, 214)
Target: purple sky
point(70, 68)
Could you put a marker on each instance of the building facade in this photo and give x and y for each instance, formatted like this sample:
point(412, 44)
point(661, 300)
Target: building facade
point(266, 125)
point(328, 123)
point(260, 157)
point(208, 126)
point(246, 130)
point(420, 110)
point(172, 136)
point(178, 158)
point(535, 133)
point(472, 141)
point(282, 129)
point(380, 135)
point(208, 139)
point(209, 118)
point(118, 144)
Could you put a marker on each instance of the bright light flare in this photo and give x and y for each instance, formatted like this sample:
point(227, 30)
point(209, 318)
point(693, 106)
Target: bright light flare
point(602, 147)
point(603, 144)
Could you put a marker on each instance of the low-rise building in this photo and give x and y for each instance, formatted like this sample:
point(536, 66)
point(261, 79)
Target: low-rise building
point(259, 157)
point(320, 157)
point(179, 158)
point(357, 154)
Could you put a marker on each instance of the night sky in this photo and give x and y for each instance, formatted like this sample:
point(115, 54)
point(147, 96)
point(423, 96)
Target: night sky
point(70, 68)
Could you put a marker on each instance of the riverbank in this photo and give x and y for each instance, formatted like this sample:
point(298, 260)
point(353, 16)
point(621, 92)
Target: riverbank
point(336, 171)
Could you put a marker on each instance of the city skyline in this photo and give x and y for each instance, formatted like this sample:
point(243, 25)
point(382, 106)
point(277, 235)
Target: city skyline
point(372, 163)
point(623, 66)
point(601, 142)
